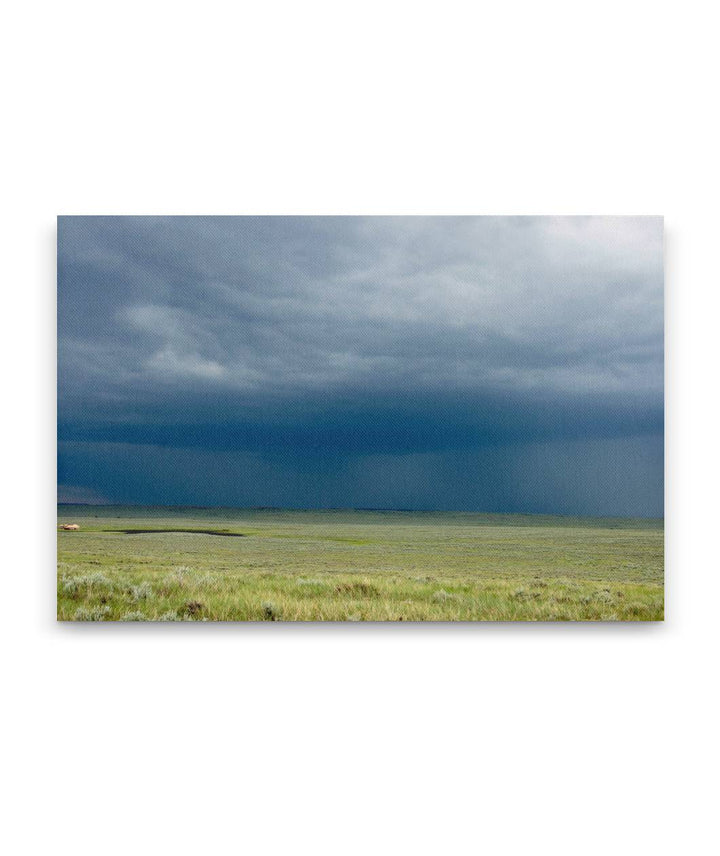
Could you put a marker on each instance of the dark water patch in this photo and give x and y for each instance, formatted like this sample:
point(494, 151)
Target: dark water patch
point(222, 532)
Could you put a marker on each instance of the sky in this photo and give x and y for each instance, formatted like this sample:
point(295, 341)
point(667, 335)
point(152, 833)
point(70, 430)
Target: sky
point(493, 364)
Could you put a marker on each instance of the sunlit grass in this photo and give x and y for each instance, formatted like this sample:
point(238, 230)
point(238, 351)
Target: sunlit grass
point(315, 568)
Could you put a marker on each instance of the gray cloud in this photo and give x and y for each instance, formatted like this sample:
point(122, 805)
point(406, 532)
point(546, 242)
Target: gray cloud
point(561, 303)
point(408, 335)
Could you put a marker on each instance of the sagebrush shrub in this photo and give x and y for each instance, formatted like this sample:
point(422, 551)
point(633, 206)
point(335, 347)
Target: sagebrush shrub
point(71, 586)
point(140, 592)
point(97, 613)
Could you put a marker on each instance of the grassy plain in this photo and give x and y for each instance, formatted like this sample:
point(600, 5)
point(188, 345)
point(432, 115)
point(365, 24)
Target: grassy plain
point(354, 566)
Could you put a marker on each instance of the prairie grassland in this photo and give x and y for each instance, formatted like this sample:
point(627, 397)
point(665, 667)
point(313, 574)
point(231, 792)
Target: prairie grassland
point(354, 566)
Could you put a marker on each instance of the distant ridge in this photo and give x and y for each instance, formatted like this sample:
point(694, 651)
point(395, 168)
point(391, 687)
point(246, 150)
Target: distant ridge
point(510, 518)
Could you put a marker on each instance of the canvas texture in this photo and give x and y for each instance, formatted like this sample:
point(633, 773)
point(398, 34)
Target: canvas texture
point(360, 418)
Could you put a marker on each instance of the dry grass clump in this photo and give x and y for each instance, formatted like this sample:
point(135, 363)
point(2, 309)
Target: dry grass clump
point(524, 594)
point(442, 596)
point(194, 607)
point(361, 589)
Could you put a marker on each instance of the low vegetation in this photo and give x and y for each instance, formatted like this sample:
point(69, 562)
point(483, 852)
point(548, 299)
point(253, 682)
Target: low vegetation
point(359, 567)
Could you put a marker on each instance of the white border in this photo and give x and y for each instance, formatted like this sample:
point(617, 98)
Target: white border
point(393, 739)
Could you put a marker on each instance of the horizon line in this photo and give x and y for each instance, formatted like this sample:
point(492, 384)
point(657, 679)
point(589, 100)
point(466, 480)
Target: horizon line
point(360, 508)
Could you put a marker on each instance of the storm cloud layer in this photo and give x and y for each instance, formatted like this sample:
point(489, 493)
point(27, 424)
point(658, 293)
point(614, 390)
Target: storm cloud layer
point(476, 363)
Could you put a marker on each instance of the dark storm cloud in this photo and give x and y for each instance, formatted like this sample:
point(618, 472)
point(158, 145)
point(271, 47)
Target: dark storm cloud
point(337, 337)
point(617, 477)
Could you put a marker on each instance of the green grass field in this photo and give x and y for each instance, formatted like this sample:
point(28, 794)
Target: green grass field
point(145, 564)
